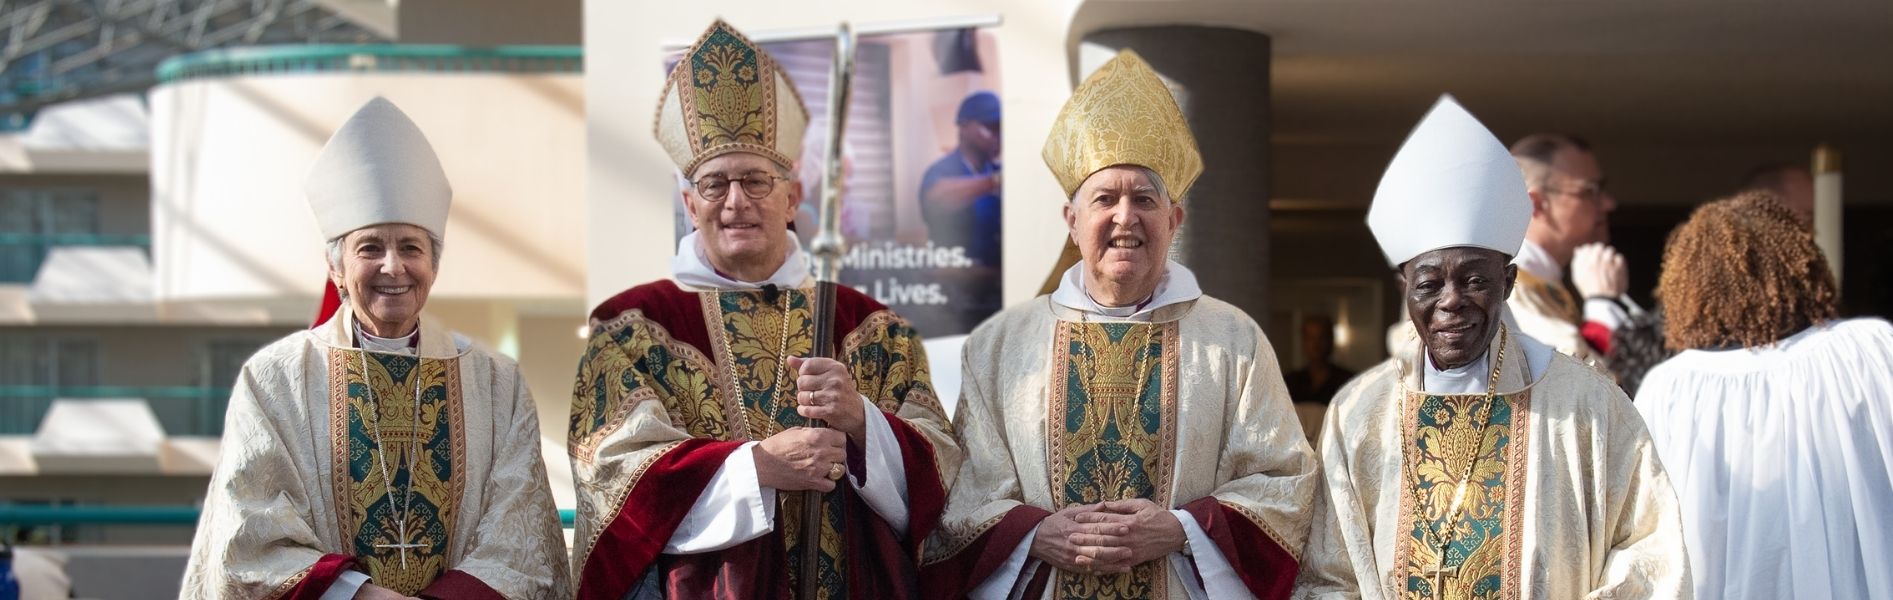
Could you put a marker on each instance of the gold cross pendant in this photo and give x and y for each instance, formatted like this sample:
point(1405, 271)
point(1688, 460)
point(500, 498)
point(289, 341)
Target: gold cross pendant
point(1439, 573)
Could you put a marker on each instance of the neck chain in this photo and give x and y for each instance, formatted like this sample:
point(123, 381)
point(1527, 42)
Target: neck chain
point(381, 456)
point(782, 350)
point(1453, 510)
point(1142, 364)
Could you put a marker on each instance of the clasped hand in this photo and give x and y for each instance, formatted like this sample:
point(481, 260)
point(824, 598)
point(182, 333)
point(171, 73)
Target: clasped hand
point(1108, 537)
point(802, 458)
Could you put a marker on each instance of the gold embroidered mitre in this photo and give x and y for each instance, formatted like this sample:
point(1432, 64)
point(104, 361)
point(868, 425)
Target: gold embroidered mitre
point(727, 95)
point(1123, 114)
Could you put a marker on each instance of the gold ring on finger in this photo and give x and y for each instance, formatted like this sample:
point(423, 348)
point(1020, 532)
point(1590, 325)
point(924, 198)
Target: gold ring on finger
point(835, 472)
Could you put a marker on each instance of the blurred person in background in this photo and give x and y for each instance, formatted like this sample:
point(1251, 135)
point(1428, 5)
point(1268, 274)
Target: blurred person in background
point(959, 194)
point(1791, 183)
point(1776, 417)
point(1569, 233)
point(1313, 385)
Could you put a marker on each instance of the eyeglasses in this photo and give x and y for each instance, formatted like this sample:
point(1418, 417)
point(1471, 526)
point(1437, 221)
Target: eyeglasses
point(716, 186)
point(1585, 191)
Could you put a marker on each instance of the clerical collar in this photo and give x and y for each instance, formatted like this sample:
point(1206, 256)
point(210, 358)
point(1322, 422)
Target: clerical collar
point(1177, 285)
point(692, 268)
point(1466, 379)
point(1534, 259)
point(408, 344)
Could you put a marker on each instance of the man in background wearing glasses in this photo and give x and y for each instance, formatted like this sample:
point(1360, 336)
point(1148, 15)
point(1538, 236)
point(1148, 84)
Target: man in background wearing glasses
point(1569, 231)
point(689, 406)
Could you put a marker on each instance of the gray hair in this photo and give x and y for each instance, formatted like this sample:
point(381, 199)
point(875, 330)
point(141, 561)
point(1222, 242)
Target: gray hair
point(335, 250)
point(1155, 181)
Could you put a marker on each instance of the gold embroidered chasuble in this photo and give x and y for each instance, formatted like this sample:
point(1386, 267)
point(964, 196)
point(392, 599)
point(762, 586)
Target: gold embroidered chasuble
point(1059, 408)
point(319, 457)
point(1567, 498)
point(1547, 311)
point(678, 363)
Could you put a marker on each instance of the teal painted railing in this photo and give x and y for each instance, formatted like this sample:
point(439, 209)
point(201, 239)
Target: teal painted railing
point(126, 515)
point(22, 253)
point(182, 410)
point(322, 58)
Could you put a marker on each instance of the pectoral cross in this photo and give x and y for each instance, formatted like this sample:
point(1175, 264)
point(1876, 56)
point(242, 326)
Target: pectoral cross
point(1439, 573)
point(401, 530)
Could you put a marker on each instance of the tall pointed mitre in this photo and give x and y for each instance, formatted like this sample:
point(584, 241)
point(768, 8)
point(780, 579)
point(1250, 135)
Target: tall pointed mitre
point(1123, 114)
point(378, 168)
point(1452, 184)
point(727, 95)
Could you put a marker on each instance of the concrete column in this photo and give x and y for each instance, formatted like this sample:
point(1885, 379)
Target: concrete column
point(1220, 77)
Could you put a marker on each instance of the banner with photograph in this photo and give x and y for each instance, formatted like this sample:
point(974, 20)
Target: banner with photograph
point(921, 202)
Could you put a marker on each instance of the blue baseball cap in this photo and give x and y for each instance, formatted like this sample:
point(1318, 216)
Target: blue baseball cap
point(979, 106)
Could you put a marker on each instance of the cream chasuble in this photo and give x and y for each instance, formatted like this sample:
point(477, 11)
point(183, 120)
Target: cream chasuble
point(1568, 499)
point(319, 457)
point(1182, 404)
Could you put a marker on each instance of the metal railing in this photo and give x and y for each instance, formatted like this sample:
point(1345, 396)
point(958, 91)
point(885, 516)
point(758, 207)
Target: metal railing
point(21, 254)
point(182, 410)
point(324, 58)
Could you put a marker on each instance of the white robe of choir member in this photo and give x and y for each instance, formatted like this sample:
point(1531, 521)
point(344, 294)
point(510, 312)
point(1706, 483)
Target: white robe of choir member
point(1782, 458)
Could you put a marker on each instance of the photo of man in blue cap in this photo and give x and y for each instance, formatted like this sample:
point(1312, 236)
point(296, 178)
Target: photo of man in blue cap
point(959, 195)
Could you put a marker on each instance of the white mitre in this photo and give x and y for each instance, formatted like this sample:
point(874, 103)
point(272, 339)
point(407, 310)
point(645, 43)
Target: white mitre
point(378, 168)
point(1452, 184)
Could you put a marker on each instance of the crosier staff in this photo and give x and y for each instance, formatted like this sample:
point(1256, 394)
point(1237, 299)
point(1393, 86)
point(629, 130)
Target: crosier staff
point(827, 249)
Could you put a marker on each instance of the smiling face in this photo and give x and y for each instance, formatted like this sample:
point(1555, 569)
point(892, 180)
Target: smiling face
point(744, 237)
point(1123, 225)
point(386, 271)
point(1454, 296)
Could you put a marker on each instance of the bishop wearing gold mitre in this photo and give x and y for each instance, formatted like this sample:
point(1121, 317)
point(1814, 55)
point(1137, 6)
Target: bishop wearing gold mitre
point(1127, 436)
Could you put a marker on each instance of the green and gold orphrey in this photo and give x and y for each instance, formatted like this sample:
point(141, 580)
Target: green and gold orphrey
point(1112, 424)
point(375, 513)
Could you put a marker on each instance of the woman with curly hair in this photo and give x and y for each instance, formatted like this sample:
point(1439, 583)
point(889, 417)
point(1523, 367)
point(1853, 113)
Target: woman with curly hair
point(1775, 418)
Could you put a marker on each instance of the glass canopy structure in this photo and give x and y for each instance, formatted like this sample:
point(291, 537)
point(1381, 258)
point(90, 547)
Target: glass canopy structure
point(59, 50)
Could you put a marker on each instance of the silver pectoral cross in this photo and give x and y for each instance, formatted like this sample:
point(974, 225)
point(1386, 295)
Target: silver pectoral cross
point(401, 530)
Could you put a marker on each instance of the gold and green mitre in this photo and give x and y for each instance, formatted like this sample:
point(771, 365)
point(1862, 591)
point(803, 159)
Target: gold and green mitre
point(727, 95)
point(1122, 114)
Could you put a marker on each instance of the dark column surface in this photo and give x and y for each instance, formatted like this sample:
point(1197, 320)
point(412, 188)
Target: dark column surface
point(1221, 79)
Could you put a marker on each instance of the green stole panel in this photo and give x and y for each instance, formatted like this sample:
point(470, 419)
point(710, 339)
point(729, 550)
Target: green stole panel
point(747, 335)
point(402, 555)
point(1112, 430)
point(1445, 435)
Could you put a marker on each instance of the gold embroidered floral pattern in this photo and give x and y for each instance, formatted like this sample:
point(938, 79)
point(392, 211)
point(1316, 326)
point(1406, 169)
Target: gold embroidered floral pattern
point(1450, 435)
point(730, 98)
point(370, 515)
point(631, 359)
point(1110, 438)
point(1123, 114)
point(890, 364)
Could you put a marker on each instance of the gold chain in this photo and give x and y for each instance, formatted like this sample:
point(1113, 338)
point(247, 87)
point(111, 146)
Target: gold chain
point(1459, 495)
point(782, 351)
point(1142, 363)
